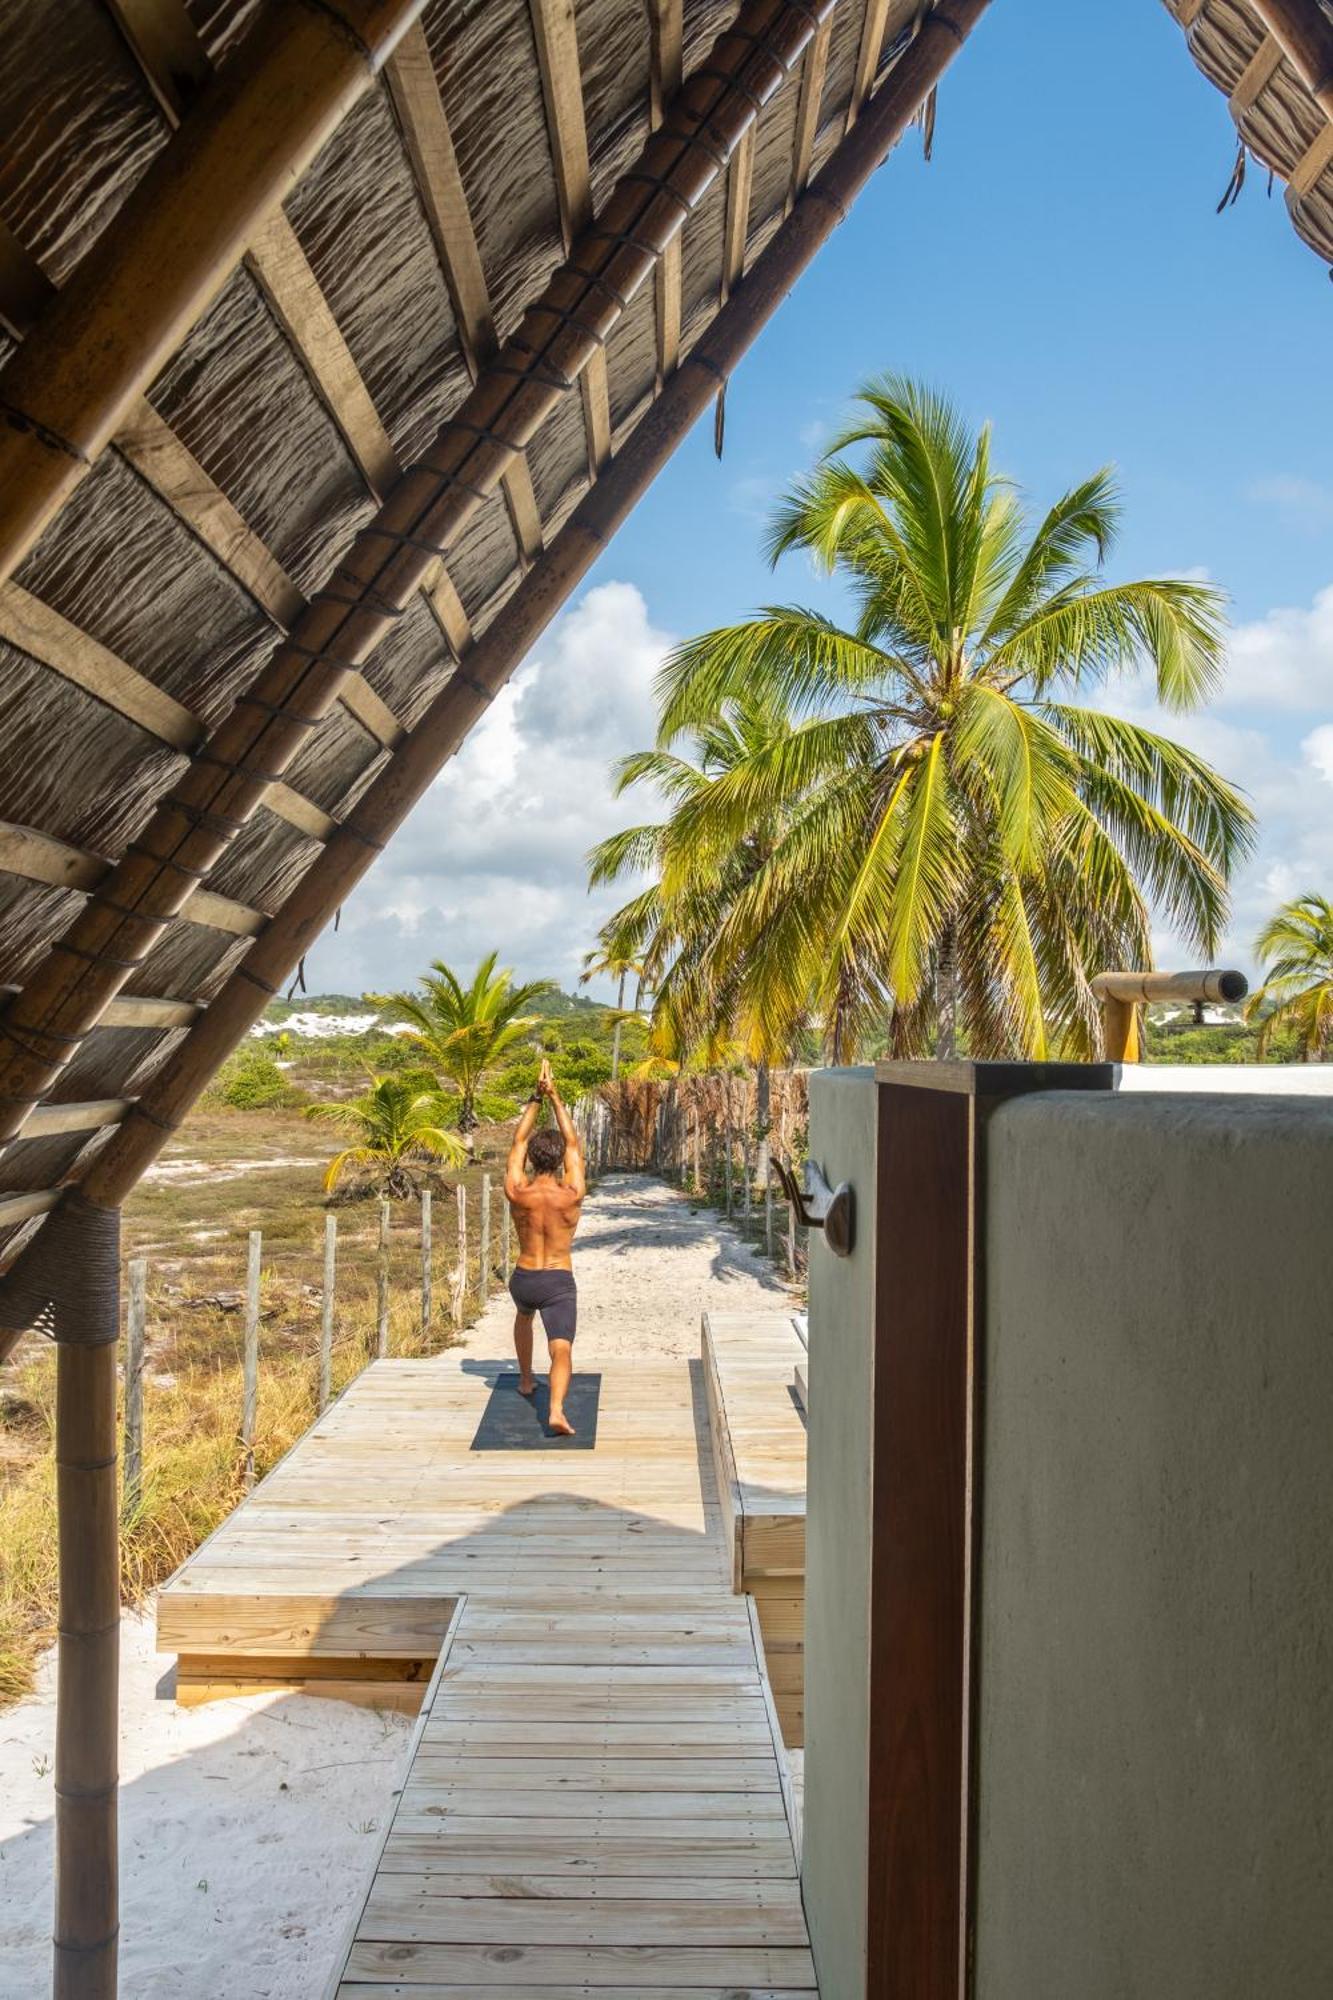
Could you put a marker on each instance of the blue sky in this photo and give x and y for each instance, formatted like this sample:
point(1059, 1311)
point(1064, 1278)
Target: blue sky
point(1059, 270)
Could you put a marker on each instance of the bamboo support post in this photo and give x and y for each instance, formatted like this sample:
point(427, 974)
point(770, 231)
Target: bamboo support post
point(484, 1280)
point(460, 1274)
point(100, 340)
point(326, 1310)
point(136, 1322)
point(427, 1302)
point(687, 395)
point(250, 1389)
point(382, 1285)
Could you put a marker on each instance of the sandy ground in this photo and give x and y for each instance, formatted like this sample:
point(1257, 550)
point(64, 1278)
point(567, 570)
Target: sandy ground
point(248, 1828)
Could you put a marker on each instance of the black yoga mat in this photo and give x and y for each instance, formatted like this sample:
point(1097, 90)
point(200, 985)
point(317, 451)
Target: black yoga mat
point(511, 1422)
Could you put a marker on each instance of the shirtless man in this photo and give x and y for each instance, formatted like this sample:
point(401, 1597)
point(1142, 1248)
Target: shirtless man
point(546, 1211)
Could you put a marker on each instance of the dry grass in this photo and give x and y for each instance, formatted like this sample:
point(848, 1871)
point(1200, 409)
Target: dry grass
point(191, 1224)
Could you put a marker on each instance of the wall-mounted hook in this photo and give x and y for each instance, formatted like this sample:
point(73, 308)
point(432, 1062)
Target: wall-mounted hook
point(819, 1206)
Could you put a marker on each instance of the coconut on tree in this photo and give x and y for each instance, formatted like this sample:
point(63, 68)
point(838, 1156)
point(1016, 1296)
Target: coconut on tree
point(1295, 949)
point(398, 1132)
point(463, 1031)
point(945, 833)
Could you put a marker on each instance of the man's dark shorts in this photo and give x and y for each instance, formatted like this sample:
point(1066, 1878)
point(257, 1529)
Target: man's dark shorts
point(553, 1294)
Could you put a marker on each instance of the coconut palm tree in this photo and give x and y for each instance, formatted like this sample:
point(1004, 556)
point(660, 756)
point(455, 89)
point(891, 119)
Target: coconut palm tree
point(606, 962)
point(396, 1125)
point(1295, 947)
point(462, 1031)
point(957, 842)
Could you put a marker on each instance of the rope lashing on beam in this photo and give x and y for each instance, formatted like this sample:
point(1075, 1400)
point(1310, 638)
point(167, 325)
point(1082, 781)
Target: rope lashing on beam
point(62, 1283)
point(383, 568)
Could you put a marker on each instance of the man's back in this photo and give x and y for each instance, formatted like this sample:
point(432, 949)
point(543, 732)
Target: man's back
point(546, 1214)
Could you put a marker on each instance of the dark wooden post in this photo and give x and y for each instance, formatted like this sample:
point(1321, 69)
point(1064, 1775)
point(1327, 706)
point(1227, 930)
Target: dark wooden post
point(927, 1489)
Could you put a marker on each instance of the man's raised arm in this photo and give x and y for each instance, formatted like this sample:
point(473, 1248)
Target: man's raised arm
point(574, 1176)
point(518, 1151)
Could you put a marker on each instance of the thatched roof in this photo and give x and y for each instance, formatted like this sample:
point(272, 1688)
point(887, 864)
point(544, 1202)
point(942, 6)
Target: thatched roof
point(1273, 62)
point(260, 572)
point(335, 336)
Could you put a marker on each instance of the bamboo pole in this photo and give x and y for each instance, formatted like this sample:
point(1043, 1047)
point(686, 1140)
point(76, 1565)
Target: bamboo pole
point(516, 627)
point(136, 1320)
point(791, 1242)
point(484, 1280)
point(698, 1184)
point(326, 1309)
point(250, 1390)
point(768, 1214)
point(86, 1930)
point(427, 1303)
point(382, 1285)
point(99, 342)
point(460, 1275)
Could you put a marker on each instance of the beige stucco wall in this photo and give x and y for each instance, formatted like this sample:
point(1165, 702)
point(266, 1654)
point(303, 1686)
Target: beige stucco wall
point(1156, 1709)
point(837, 1553)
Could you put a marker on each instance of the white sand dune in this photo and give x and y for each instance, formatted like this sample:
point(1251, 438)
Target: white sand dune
point(249, 1827)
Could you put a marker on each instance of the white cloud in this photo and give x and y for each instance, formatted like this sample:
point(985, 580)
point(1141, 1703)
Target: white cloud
point(494, 856)
point(1318, 750)
point(1284, 660)
point(1305, 502)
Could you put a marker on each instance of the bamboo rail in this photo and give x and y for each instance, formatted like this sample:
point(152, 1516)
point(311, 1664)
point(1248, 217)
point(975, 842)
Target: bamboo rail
point(486, 668)
point(97, 344)
point(1122, 994)
point(1304, 33)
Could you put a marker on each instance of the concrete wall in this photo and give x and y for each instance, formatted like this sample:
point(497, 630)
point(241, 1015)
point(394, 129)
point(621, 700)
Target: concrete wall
point(1156, 1715)
point(837, 1553)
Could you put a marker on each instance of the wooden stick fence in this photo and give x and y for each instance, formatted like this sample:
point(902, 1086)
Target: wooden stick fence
point(466, 1286)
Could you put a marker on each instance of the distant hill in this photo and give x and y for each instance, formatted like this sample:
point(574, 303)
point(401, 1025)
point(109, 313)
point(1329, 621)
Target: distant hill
point(316, 1016)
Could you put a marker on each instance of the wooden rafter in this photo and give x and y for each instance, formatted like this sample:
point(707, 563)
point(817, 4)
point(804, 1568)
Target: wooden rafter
point(1256, 76)
point(415, 90)
point(282, 270)
point(102, 339)
point(163, 41)
point(1304, 33)
point(562, 89)
point(867, 57)
point(516, 627)
point(666, 57)
point(735, 232)
point(814, 68)
point(37, 857)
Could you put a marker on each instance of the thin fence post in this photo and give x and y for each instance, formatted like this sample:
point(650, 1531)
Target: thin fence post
point(791, 1242)
point(326, 1311)
point(136, 1319)
point(698, 1184)
point(460, 1275)
point(768, 1214)
point(506, 1247)
point(382, 1285)
point(250, 1397)
point(427, 1302)
point(484, 1279)
point(746, 1169)
point(728, 1164)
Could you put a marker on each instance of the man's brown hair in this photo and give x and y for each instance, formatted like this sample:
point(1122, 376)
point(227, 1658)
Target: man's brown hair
point(546, 1151)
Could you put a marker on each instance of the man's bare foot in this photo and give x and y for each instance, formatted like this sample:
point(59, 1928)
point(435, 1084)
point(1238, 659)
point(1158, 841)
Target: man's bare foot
point(526, 1388)
point(560, 1424)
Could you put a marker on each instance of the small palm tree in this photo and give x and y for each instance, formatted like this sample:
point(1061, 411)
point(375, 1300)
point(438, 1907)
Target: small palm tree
point(462, 1031)
point(957, 839)
point(1296, 949)
point(397, 1125)
point(607, 962)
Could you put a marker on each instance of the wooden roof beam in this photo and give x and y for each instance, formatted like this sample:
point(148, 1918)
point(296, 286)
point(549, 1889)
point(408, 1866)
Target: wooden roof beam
point(870, 50)
point(415, 90)
point(192, 826)
point(1304, 33)
point(666, 59)
point(97, 345)
point(735, 229)
point(520, 622)
point(562, 89)
point(814, 69)
point(139, 1010)
point(39, 857)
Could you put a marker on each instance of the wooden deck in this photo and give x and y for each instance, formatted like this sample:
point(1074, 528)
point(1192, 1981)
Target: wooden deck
point(751, 1363)
point(594, 1804)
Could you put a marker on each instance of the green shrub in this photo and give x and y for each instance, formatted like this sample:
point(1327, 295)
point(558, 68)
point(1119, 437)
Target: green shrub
point(250, 1080)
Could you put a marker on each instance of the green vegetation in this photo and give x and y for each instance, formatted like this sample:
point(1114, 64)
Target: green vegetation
point(908, 825)
point(397, 1125)
point(461, 1032)
point(250, 1080)
point(1296, 949)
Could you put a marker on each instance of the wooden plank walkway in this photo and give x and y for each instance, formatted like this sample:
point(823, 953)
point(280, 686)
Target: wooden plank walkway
point(594, 1803)
point(758, 1430)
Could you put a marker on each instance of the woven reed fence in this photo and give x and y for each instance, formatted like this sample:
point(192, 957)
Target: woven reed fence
point(712, 1135)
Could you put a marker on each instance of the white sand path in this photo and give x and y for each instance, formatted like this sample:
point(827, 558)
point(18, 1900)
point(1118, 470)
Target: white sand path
point(248, 1827)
